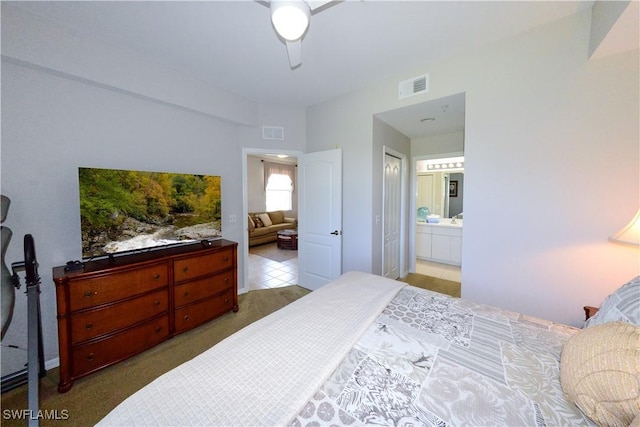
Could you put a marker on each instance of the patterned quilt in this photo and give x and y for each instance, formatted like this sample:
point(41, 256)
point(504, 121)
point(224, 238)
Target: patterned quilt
point(367, 350)
point(433, 360)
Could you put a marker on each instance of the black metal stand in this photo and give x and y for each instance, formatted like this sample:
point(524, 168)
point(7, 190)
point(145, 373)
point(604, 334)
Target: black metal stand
point(35, 351)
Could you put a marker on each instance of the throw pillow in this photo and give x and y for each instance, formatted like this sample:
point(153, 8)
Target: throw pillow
point(600, 372)
point(623, 305)
point(265, 219)
point(277, 217)
point(257, 221)
point(252, 224)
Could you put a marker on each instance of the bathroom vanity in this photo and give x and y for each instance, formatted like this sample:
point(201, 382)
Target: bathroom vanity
point(440, 242)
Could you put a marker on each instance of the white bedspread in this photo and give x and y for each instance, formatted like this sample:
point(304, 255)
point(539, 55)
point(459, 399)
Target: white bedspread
point(265, 373)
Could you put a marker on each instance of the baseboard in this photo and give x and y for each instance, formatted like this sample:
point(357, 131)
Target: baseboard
point(16, 379)
point(52, 363)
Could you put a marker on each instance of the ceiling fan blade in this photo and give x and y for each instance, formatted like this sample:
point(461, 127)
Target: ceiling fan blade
point(294, 50)
point(313, 4)
point(317, 4)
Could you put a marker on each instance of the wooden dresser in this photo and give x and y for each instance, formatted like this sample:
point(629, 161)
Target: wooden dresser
point(112, 310)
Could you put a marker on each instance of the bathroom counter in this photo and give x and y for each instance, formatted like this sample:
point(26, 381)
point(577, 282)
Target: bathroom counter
point(444, 222)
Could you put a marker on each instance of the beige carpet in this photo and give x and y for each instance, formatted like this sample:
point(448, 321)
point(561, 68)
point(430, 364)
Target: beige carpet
point(92, 397)
point(443, 286)
point(271, 251)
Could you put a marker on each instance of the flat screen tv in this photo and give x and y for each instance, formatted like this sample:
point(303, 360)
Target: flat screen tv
point(127, 211)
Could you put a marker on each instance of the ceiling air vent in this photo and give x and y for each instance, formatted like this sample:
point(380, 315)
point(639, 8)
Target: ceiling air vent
point(273, 132)
point(413, 86)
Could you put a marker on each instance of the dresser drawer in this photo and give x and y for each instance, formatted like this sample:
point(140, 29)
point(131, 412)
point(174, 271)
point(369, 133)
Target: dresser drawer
point(110, 311)
point(90, 357)
point(115, 286)
point(192, 315)
point(91, 324)
point(186, 269)
point(202, 288)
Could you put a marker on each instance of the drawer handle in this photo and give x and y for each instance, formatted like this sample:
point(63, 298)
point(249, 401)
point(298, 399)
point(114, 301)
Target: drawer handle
point(185, 269)
point(89, 294)
point(186, 318)
point(226, 280)
point(186, 294)
point(225, 259)
point(158, 329)
point(226, 300)
point(156, 276)
point(89, 325)
point(157, 303)
point(90, 357)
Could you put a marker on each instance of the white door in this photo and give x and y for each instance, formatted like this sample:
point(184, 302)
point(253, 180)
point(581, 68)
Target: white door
point(320, 213)
point(391, 228)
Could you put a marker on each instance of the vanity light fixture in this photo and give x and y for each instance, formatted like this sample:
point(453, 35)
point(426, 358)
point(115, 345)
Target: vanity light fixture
point(630, 234)
point(282, 156)
point(451, 164)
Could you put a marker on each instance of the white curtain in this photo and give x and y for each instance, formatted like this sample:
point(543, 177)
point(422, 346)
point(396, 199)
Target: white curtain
point(280, 169)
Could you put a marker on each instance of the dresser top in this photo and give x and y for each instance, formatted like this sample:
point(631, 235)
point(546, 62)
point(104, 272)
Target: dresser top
point(141, 256)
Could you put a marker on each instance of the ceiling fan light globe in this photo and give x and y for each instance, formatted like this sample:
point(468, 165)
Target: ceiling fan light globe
point(290, 18)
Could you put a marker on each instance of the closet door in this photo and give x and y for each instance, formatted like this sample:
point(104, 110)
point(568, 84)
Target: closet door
point(391, 215)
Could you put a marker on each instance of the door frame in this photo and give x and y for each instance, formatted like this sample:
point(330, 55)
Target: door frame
point(412, 202)
point(402, 265)
point(246, 152)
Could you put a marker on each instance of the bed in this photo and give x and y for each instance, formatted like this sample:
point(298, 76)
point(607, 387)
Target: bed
point(365, 350)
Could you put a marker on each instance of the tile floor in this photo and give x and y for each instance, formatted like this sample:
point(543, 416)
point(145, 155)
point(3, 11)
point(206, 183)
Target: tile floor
point(265, 273)
point(435, 269)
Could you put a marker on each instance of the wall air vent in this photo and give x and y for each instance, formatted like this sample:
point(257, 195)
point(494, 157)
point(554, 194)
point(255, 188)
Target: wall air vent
point(414, 86)
point(273, 132)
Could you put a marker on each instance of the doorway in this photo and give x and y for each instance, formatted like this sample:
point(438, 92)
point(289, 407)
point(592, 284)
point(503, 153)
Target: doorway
point(265, 266)
point(436, 129)
point(439, 203)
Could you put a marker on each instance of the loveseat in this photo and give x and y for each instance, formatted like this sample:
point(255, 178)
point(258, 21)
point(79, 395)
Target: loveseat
point(263, 226)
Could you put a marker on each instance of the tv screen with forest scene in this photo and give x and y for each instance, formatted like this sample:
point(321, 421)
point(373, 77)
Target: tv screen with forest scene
point(126, 210)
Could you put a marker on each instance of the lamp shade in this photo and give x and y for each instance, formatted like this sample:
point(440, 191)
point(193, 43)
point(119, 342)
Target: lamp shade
point(630, 234)
point(290, 18)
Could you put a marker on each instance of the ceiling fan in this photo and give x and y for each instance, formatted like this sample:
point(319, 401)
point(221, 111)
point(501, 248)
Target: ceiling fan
point(290, 19)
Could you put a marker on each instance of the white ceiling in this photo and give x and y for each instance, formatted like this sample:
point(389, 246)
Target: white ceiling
point(349, 45)
point(352, 44)
point(414, 121)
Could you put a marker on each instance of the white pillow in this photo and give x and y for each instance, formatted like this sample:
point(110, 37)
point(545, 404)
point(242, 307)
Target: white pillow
point(265, 219)
point(621, 306)
point(600, 373)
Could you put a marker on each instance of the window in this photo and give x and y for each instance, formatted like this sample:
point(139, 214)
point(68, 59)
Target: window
point(279, 193)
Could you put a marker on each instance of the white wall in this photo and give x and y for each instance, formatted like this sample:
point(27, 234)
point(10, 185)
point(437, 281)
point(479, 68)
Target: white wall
point(547, 131)
point(34, 40)
point(438, 144)
point(60, 111)
point(386, 136)
point(347, 123)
